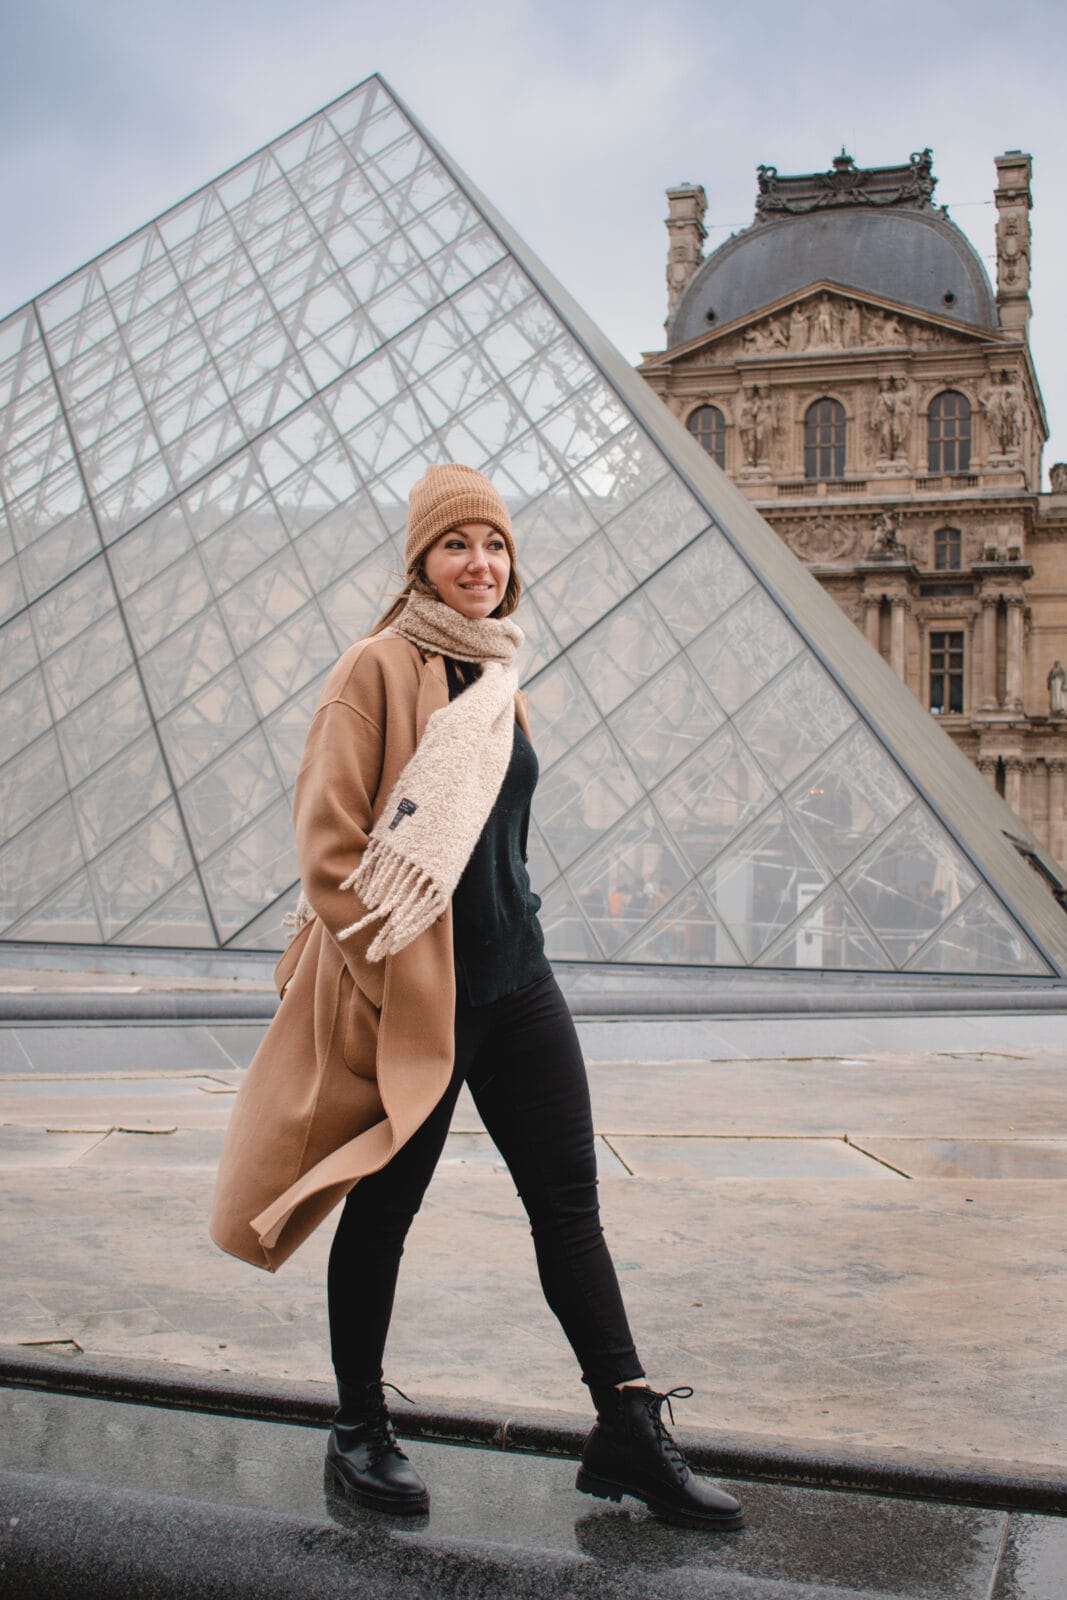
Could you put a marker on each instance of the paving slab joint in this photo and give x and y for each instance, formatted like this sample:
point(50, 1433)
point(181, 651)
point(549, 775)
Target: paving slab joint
point(1008, 1486)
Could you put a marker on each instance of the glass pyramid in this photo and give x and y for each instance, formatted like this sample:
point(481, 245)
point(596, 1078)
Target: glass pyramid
point(207, 437)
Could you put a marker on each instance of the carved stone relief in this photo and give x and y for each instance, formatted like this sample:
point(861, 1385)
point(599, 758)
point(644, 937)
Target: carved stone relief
point(818, 539)
point(1013, 252)
point(887, 545)
point(845, 184)
point(1004, 405)
point(1058, 477)
point(757, 425)
point(826, 322)
point(890, 418)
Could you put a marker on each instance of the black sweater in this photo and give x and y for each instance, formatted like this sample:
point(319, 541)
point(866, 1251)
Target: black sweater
point(496, 938)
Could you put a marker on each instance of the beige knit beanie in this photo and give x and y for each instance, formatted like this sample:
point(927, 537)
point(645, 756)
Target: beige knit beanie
point(444, 497)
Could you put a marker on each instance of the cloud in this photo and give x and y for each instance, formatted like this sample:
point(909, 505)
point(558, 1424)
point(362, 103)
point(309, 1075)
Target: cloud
point(572, 115)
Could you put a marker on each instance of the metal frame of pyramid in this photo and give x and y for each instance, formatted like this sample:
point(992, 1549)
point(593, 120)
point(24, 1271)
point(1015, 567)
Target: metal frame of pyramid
point(207, 435)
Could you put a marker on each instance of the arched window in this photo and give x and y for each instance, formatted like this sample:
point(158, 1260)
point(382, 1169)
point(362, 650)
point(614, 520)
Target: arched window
point(824, 440)
point(708, 427)
point(948, 549)
point(948, 432)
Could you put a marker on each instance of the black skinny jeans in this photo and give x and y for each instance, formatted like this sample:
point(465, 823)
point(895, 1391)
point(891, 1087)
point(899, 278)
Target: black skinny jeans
point(521, 1057)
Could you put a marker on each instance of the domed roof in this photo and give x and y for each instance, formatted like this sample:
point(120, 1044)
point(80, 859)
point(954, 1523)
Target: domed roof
point(849, 227)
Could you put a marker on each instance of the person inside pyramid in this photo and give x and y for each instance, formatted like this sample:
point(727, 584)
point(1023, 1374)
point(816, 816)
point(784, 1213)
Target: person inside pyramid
point(418, 966)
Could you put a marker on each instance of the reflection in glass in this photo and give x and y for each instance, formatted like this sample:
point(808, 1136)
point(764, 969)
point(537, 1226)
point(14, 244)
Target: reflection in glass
point(127, 878)
point(764, 881)
point(909, 883)
point(795, 719)
point(744, 649)
point(686, 933)
point(848, 798)
point(661, 523)
point(582, 795)
point(980, 938)
point(828, 935)
point(622, 652)
point(631, 874)
point(34, 863)
point(712, 797)
point(666, 721)
point(568, 936)
point(117, 796)
point(560, 711)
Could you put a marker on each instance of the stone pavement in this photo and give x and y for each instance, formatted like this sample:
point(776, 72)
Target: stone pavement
point(840, 1246)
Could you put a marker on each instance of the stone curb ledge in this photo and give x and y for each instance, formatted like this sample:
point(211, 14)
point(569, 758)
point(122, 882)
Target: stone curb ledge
point(66, 1539)
point(1009, 1486)
point(207, 1006)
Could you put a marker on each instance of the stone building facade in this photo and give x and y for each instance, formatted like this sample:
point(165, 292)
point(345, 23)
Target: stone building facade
point(846, 360)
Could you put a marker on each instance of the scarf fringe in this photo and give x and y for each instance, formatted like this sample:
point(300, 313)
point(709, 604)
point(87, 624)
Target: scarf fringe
point(301, 914)
point(402, 894)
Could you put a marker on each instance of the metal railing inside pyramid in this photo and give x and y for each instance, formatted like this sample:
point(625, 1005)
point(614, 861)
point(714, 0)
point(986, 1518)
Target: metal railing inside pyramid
point(207, 438)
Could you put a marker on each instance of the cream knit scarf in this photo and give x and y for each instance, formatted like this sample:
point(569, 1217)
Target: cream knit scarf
point(438, 807)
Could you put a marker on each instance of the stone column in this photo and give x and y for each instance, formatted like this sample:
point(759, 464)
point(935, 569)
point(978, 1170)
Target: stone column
point(872, 620)
point(1013, 782)
point(1057, 806)
point(987, 766)
point(897, 617)
point(1013, 675)
point(987, 692)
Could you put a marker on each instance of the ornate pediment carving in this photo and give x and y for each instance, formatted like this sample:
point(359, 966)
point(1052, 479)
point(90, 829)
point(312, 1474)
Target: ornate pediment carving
point(823, 320)
point(912, 184)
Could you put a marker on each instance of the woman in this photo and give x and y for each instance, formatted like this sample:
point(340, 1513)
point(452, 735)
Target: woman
point(420, 965)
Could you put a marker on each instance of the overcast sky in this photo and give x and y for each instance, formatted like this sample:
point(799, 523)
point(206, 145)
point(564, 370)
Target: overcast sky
point(573, 116)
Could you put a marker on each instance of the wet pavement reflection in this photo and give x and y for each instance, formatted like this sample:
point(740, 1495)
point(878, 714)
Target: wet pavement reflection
point(500, 1524)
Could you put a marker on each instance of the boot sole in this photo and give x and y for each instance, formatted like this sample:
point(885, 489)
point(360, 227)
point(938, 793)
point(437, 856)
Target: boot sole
point(604, 1489)
point(405, 1506)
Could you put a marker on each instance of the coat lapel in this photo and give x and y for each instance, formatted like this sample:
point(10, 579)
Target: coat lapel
point(433, 692)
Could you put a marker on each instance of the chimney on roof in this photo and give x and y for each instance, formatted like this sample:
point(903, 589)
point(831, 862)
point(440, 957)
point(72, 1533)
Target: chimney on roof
point(686, 234)
point(1014, 201)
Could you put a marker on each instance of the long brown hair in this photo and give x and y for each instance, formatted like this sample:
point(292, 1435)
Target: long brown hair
point(417, 583)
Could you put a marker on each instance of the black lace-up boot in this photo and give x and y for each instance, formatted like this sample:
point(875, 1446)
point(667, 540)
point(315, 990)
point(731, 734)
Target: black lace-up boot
point(631, 1452)
point(363, 1458)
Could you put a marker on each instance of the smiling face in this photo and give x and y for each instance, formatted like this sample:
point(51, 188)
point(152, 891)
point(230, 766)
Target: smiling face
point(469, 567)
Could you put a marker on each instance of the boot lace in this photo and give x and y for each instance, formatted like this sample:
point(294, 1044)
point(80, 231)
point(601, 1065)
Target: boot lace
point(655, 1403)
point(378, 1424)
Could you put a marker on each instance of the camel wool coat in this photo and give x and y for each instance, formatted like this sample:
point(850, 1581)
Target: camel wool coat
point(359, 1052)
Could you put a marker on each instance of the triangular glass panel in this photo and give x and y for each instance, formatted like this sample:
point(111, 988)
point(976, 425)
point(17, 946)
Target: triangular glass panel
point(179, 919)
point(114, 799)
point(31, 782)
point(980, 938)
point(908, 883)
point(139, 869)
point(763, 882)
point(256, 866)
point(712, 797)
point(236, 401)
point(625, 879)
point(268, 931)
point(828, 936)
point(568, 934)
point(68, 917)
point(685, 933)
point(848, 798)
